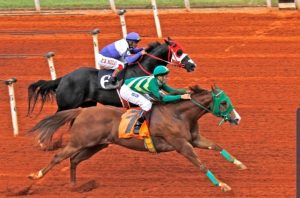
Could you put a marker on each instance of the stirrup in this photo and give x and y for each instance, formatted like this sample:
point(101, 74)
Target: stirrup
point(136, 128)
point(112, 85)
point(112, 80)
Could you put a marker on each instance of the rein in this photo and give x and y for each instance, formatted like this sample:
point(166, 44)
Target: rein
point(143, 69)
point(201, 106)
point(206, 109)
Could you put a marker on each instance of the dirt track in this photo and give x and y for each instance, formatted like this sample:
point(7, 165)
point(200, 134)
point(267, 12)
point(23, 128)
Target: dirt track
point(253, 56)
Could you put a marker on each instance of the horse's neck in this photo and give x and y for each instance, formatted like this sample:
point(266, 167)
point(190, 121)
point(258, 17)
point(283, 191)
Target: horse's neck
point(148, 63)
point(190, 111)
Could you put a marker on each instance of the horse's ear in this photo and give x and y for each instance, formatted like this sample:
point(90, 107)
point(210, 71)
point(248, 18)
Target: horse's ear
point(167, 42)
point(213, 87)
point(192, 88)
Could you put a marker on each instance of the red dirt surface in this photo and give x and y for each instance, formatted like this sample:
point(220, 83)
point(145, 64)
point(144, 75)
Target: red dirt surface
point(253, 56)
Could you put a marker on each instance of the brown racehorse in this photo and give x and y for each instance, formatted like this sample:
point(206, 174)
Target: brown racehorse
point(173, 126)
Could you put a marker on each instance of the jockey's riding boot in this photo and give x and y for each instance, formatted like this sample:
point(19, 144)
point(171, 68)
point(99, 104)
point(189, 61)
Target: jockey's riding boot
point(113, 81)
point(114, 76)
point(139, 122)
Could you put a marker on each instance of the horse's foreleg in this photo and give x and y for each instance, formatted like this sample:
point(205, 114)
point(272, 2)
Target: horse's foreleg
point(81, 156)
point(205, 143)
point(186, 149)
point(67, 152)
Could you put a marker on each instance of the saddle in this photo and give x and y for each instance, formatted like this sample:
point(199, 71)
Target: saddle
point(104, 76)
point(126, 128)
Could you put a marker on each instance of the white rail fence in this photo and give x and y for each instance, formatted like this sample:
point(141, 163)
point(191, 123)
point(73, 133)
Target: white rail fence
point(50, 59)
point(13, 107)
point(187, 4)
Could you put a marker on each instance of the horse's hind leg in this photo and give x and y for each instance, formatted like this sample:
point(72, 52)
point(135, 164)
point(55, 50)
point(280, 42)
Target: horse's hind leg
point(205, 143)
point(67, 152)
point(81, 156)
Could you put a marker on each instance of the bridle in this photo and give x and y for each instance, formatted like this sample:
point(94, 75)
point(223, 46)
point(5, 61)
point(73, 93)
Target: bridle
point(217, 99)
point(172, 57)
point(170, 61)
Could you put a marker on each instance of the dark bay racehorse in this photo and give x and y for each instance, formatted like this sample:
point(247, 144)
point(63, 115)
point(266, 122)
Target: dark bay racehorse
point(80, 87)
point(173, 126)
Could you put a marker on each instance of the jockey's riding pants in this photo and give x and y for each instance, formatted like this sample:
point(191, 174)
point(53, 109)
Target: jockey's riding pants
point(109, 63)
point(135, 98)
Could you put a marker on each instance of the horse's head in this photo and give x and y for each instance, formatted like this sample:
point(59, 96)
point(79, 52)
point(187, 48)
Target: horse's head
point(162, 54)
point(219, 105)
point(178, 56)
point(222, 107)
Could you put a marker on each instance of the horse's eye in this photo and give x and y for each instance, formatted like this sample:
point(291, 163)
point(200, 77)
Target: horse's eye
point(223, 106)
point(224, 103)
point(179, 52)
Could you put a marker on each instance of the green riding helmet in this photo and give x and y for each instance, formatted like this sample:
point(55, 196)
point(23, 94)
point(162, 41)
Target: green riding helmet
point(160, 71)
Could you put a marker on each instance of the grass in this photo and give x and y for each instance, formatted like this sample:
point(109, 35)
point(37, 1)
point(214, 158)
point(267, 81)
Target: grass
point(104, 4)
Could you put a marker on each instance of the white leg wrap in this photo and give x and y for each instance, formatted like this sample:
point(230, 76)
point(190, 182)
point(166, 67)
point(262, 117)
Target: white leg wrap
point(40, 174)
point(237, 162)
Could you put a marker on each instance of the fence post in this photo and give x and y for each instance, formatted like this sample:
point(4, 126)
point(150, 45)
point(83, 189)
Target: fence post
point(37, 5)
point(95, 33)
point(269, 3)
point(49, 57)
point(121, 13)
point(112, 5)
point(187, 5)
point(156, 19)
point(297, 4)
point(13, 107)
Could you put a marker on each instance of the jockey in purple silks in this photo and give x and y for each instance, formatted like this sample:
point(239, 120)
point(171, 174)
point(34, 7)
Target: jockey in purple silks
point(119, 54)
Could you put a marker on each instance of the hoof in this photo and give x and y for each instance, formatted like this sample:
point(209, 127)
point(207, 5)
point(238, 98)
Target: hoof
point(224, 187)
point(32, 176)
point(35, 176)
point(242, 167)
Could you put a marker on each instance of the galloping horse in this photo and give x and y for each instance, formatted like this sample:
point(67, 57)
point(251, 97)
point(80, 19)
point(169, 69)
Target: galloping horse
point(80, 87)
point(173, 126)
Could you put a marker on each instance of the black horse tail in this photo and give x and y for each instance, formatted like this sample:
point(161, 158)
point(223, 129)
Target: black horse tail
point(49, 125)
point(43, 89)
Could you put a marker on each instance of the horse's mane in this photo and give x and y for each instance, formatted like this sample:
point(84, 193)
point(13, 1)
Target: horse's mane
point(151, 49)
point(152, 46)
point(196, 89)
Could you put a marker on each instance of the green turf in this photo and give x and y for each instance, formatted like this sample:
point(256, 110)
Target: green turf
point(104, 4)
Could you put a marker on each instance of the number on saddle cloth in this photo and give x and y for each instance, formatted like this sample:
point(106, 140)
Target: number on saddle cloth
point(104, 76)
point(126, 127)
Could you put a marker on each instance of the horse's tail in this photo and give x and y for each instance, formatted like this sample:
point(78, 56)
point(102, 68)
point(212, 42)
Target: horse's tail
point(42, 89)
point(49, 125)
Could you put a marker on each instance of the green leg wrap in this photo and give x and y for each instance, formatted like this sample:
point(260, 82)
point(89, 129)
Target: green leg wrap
point(212, 178)
point(227, 156)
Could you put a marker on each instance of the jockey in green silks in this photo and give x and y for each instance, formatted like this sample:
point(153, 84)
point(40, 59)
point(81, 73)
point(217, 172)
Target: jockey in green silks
point(141, 90)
